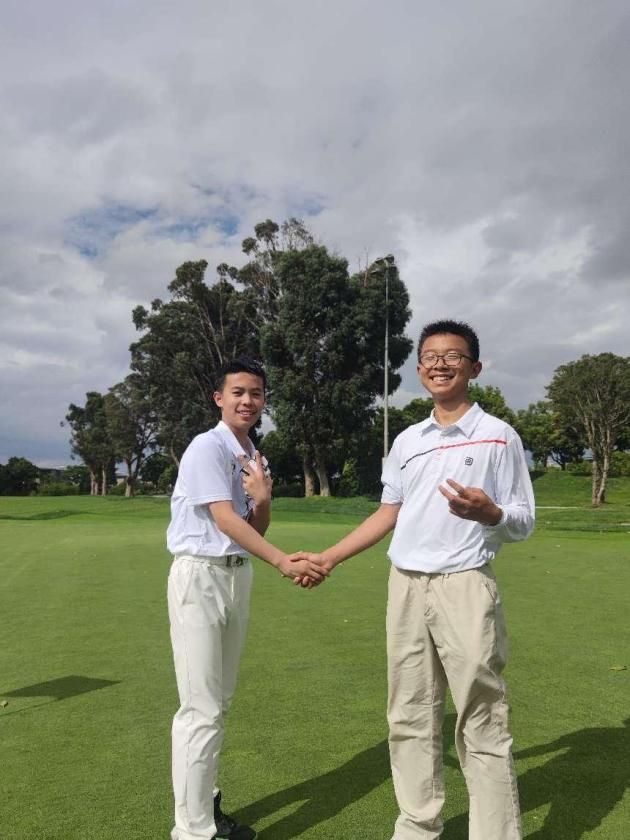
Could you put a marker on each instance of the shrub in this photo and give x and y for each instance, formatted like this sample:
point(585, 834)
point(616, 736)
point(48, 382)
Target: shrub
point(580, 468)
point(117, 489)
point(58, 488)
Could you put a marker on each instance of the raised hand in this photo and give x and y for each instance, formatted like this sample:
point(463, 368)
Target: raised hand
point(471, 503)
point(257, 482)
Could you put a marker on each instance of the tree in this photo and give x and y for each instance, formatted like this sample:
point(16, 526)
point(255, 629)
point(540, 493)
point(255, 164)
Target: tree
point(592, 397)
point(324, 353)
point(184, 342)
point(366, 453)
point(132, 426)
point(545, 436)
point(153, 467)
point(79, 476)
point(286, 466)
point(90, 440)
point(18, 477)
point(416, 411)
point(491, 400)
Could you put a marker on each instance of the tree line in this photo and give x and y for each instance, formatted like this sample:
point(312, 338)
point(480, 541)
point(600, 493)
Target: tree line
point(320, 331)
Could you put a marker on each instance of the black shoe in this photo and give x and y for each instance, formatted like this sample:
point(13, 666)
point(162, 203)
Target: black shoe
point(227, 827)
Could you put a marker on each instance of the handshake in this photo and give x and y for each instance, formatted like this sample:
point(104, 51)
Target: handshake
point(305, 568)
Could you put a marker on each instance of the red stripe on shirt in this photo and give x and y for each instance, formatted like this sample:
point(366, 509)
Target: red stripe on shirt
point(470, 443)
point(451, 446)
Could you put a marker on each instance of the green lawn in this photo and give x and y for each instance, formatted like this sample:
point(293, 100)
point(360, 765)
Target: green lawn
point(86, 668)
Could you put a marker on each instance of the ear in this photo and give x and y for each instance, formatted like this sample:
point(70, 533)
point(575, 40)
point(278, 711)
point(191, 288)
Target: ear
point(476, 369)
point(218, 398)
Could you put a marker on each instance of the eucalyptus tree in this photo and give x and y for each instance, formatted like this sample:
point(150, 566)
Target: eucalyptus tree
point(90, 440)
point(592, 397)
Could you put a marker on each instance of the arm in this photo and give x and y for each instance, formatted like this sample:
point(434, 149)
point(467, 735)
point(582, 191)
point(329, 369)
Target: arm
point(515, 496)
point(368, 533)
point(509, 517)
point(242, 533)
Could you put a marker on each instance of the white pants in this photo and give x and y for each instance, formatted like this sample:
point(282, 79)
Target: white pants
point(449, 629)
point(208, 607)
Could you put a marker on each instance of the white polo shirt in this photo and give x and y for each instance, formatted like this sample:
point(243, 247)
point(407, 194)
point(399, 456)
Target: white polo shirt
point(479, 450)
point(209, 472)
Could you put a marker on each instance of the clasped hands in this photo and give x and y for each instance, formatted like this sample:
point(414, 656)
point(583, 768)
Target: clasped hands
point(306, 568)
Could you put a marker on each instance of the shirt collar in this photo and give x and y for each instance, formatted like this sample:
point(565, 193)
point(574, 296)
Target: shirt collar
point(233, 441)
point(466, 424)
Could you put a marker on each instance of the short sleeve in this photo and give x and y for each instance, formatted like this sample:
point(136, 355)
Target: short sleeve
point(391, 477)
point(205, 471)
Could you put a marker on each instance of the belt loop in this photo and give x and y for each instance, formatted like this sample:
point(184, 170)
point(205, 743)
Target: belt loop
point(228, 561)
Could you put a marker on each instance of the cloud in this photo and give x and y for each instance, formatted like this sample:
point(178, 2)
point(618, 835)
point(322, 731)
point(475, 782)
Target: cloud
point(484, 144)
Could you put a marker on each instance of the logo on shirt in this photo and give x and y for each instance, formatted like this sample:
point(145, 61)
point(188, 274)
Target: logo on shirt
point(468, 461)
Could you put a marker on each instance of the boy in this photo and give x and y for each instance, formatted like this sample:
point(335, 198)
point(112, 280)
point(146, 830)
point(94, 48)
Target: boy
point(455, 487)
point(220, 511)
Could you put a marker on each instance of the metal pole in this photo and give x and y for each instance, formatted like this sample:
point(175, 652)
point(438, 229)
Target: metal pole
point(386, 406)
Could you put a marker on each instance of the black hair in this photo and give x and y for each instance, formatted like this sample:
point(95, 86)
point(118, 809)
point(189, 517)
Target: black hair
point(241, 364)
point(459, 328)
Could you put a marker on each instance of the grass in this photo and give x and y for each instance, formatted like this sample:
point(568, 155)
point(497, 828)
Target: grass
point(86, 669)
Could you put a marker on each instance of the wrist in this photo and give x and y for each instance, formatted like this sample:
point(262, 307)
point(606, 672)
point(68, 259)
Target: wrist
point(277, 559)
point(495, 515)
point(330, 560)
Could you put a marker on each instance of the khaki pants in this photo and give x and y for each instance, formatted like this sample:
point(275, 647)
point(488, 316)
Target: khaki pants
point(208, 607)
point(448, 629)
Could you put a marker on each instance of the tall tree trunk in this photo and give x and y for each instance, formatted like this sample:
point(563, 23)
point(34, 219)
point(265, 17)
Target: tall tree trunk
point(129, 481)
point(595, 482)
point(174, 457)
point(104, 481)
point(309, 478)
point(93, 484)
point(324, 487)
point(603, 478)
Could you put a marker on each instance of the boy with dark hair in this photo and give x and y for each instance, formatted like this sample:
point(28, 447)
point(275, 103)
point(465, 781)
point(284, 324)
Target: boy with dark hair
point(455, 487)
point(220, 511)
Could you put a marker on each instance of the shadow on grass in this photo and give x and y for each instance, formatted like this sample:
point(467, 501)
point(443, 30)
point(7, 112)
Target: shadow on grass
point(41, 517)
point(581, 784)
point(325, 795)
point(59, 689)
point(586, 776)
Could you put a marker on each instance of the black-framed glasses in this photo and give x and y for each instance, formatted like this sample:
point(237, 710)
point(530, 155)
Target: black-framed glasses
point(451, 359)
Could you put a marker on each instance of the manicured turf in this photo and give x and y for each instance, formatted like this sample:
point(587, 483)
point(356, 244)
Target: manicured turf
point(86, 668)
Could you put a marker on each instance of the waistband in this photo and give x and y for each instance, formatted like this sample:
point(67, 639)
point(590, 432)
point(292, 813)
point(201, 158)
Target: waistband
point(228, 560)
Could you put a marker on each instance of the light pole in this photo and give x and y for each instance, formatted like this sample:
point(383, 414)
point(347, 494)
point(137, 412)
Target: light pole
point(382, 266)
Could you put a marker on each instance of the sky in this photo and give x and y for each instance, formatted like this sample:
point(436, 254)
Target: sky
point(483, 144)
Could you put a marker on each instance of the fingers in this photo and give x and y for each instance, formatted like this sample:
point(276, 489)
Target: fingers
point(258, 458)
point(458, 488)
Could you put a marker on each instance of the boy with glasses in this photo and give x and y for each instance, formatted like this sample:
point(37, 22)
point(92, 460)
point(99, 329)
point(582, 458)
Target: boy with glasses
point(455, 487)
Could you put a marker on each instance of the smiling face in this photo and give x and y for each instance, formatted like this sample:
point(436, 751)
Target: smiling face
point(241, 401)
point(448, 385)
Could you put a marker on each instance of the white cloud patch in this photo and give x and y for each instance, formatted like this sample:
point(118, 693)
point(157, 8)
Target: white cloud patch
point(484, 144)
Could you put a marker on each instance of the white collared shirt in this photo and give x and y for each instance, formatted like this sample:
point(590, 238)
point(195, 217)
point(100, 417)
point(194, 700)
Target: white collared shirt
point(479, 450)
point(208, 472)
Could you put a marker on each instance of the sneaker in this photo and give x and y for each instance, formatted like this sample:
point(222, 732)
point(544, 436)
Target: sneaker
point(227, 827)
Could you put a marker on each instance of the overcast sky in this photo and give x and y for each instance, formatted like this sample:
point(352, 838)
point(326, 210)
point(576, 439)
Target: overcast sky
point(485, 144)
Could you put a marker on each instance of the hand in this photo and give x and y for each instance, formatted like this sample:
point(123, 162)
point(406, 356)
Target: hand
point(257, 482)
point(471, 503)
point(308, 572)
point(322, 562)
